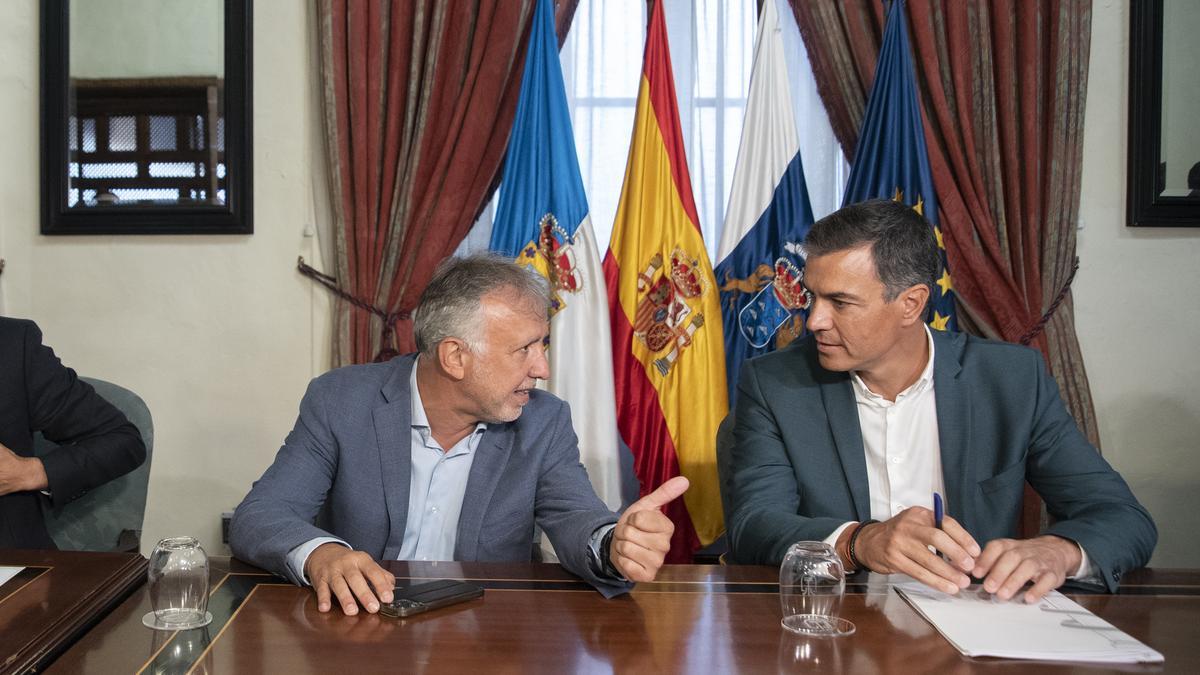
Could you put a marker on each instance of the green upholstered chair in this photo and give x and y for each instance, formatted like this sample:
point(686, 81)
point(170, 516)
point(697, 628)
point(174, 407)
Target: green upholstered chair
point(109, 517)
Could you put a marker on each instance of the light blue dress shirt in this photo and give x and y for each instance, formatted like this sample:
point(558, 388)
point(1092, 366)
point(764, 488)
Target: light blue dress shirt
point(437, 486)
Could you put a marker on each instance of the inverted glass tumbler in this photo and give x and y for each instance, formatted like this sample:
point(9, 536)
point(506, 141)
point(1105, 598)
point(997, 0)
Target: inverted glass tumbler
point(811, 584)
point(178, 581)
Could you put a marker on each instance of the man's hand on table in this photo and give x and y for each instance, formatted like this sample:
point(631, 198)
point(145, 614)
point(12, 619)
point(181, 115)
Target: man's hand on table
point(352, 577)
point(1006, 565)
point(642, 536)
point(900, 545)
point(20, 474)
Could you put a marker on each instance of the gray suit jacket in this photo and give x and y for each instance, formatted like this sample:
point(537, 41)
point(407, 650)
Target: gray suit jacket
point(799, 469)
point(350, 453)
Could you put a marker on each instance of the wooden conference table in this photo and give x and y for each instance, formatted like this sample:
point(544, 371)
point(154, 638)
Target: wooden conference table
point(533, 618)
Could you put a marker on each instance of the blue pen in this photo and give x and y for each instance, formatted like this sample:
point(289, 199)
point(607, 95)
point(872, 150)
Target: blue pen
point(939, 511)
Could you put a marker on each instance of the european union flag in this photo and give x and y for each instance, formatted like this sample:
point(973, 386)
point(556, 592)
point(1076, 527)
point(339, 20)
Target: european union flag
point(542, 221)
point(891, 161)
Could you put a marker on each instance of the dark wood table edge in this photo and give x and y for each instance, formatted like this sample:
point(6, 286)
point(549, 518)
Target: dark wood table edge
point(68, 629)
point(22, 579)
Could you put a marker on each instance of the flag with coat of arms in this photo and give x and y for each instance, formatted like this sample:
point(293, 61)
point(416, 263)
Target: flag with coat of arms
point(761, 258)
point(542, 221)
point(668, 349)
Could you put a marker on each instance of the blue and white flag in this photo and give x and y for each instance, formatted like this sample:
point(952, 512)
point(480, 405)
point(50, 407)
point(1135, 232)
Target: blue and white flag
point(761, 259)
point(891, 161)
point(542, 221)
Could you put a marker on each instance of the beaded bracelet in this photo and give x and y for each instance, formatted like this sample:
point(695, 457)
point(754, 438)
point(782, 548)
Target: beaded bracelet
point(853, 538)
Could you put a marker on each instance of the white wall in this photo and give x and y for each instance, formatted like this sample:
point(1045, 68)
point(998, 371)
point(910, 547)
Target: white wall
point(1138, 320)
point(218, 334)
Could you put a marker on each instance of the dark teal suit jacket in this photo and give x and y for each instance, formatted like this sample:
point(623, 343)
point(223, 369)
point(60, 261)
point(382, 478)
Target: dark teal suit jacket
point(798, 468)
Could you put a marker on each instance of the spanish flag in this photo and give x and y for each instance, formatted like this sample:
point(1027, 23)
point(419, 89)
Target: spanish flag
point(667, 342)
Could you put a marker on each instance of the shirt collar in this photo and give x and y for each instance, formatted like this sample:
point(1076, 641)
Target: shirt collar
point(864, 394)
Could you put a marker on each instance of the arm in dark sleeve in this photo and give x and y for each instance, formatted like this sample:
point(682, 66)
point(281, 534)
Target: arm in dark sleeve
point(765, 503)
point(568, 509)
point(96, 442)
point(278, 513)
point(1090, 502)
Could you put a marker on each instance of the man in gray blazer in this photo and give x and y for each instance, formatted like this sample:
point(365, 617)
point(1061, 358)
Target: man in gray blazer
point(845, 436)
point(449, 454)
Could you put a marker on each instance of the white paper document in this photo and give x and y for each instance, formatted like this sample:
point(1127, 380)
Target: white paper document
point(7, 573)
point(1055, 629)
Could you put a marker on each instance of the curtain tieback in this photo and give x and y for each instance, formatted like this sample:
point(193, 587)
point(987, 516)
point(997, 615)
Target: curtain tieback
point(1058, 299)
point(389, 318)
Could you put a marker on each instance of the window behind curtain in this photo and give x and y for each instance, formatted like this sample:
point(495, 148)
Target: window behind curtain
point(712, 51)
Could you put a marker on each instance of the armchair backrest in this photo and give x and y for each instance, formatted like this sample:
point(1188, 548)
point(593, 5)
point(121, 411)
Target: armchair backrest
point(109, 517)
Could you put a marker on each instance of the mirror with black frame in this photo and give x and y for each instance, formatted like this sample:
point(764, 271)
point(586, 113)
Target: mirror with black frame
point(146, 117)
point(1164, 114)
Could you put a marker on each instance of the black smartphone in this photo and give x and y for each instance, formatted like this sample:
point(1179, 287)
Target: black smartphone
point(410, 600)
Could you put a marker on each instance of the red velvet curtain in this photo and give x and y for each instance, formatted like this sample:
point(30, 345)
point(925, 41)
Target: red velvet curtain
point(419, 98)
point(1003, 85)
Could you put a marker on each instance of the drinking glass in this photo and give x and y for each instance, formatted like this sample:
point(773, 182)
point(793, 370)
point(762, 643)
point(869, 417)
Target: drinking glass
point(178, 580)
point(811, 584)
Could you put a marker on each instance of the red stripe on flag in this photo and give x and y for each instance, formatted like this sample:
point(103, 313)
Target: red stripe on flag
point(656, 68)
point(640, 417)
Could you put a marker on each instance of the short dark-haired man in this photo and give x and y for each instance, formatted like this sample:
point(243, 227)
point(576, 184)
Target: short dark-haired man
point(846, 435)
point(449, 454)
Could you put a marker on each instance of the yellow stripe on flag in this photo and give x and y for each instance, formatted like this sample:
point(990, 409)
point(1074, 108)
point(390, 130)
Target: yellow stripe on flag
point(661, 253)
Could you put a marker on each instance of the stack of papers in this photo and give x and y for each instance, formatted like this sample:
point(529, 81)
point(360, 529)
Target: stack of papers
point(1055, 629)
point(7, 573)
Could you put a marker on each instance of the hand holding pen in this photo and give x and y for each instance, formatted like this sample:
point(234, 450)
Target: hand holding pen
point(902, 545)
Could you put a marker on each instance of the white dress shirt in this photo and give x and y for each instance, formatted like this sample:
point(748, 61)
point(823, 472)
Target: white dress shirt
point(903, 453)
point(900, 438)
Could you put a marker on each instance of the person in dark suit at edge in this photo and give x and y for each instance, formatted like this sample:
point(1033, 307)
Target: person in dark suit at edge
point(845, 435)
point(447, 454)
point(39, 394)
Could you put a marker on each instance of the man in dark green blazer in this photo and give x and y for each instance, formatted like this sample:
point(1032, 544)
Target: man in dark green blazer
point(845, 436)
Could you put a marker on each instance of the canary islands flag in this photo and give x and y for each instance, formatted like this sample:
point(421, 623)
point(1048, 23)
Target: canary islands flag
point(668, 360)
point(542, 221)
point(769, 214)
point(891, 161)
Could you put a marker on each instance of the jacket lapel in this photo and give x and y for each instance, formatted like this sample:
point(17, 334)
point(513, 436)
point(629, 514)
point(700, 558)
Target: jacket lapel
point(954, 422)
point(490, 459)
point(393, 432)
point(842, 412)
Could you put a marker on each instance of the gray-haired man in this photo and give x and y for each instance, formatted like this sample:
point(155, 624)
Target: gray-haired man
point(448, 454)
